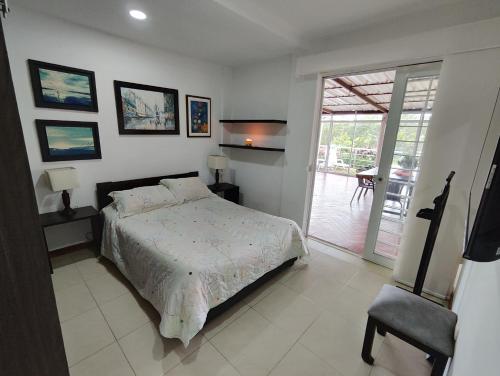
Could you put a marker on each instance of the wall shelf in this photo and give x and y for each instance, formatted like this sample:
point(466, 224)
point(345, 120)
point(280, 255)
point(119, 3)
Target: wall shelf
point(269, 121)
point(251, 147)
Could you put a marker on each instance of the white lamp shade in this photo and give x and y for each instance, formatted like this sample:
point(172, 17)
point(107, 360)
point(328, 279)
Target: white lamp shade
point(217, 162)
point(62, 178)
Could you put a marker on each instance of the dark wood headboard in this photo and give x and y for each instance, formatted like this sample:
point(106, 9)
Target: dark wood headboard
point(104, 189)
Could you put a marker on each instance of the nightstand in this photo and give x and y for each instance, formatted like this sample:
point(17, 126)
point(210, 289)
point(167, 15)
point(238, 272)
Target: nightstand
point(230, 192)
point(56, 218)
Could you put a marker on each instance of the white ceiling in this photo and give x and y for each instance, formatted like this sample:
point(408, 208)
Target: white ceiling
point(236, 32)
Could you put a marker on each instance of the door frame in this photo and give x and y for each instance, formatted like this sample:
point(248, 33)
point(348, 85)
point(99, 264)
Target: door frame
point(316, 130)
point(31, 342)
point(387, 154)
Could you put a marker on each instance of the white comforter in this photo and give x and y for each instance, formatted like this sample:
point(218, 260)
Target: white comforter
point(188, 258)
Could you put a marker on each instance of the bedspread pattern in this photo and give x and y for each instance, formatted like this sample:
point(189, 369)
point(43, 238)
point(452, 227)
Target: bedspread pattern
point(188, 258)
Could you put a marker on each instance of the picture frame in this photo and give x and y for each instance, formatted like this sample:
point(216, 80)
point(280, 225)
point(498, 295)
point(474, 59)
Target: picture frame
point(62, 87)
point(146, 109)
point(62, 140)
point(198, 116)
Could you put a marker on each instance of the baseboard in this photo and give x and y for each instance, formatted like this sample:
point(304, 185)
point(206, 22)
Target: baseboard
point(427, 291)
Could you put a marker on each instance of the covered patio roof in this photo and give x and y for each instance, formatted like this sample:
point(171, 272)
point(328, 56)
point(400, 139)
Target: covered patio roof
point(371, 93)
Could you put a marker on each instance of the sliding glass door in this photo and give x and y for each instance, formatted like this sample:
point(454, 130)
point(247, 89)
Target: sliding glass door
point(399, 167)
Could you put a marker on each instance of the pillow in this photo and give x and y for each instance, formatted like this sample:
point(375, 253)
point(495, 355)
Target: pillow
point(187, 189)
point(142, 200)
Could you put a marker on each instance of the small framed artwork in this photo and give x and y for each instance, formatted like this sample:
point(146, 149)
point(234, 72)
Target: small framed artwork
point(57, 86)
point(145, 109)
point(199, 115)
point(68, 140)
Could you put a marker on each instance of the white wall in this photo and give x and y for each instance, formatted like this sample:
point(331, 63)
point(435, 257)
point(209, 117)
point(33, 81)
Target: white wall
point(31, 36)
point(302, 111)
point(259, 91)
point(468, 87)
point(477, 299)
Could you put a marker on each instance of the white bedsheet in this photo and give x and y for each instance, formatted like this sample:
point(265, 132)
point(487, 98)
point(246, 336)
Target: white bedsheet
point(188, 258)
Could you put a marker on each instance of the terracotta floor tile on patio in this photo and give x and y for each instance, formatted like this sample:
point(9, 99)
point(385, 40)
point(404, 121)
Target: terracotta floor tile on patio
point(334, 220)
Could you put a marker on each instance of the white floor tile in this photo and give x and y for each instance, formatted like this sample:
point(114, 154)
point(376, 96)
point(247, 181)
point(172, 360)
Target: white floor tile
point(220, 322)
point(65, 277)
point(338, 342)
point(204, 361)
point(91, 268)
point(84, 335)
point(150, 354)
point(300, 361)
point(252, 344)
point(73, 301)
point(368, 282)
point(351, 304)
point(127, 313)
point(257, 295)
point(401, 358)
point(381, 371)
point(109, 361)
point(107, 287)
point(288, 310)
point(62, 260)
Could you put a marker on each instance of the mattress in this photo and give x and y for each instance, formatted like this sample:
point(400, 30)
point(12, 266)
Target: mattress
point(188, 258)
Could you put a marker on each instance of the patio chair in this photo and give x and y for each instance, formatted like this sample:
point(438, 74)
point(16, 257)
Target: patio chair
point(393, 193)
point(333, 159)
point(365, 184)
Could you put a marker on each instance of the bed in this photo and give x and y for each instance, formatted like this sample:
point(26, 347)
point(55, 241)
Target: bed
point(193, 260)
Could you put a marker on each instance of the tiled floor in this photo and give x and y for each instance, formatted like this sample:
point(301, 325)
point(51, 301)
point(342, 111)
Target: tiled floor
point(335, 220)
point(309, 320)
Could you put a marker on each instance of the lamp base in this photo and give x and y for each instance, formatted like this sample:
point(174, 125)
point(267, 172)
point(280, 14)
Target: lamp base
point(217, 177)
point(67, 211)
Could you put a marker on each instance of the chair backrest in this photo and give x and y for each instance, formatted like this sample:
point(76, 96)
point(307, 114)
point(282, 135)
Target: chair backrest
point(332, 156)
point(394, 190)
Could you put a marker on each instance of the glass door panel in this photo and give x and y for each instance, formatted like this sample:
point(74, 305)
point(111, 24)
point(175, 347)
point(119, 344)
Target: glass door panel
point(410, 112)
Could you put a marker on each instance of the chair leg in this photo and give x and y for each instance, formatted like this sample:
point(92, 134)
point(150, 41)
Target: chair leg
point(366, 191)
point(352, 198)
point(366, 353)
point(381, 331)
point(360, 193)
point(439, 365)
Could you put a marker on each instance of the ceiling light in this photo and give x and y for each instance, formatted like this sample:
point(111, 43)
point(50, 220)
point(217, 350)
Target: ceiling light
point(137, 14)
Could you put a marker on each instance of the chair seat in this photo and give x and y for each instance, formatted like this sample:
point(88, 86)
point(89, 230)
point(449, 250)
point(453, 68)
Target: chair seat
point(415, 317)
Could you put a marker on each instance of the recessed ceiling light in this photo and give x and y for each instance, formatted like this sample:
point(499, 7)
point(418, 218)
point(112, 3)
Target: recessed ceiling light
point(137, 14)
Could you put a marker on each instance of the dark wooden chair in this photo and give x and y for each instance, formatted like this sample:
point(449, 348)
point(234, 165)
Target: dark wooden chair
point(417, 321)
point(365, 184)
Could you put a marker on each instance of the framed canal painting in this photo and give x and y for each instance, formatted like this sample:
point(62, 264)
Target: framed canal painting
point(57, 86)
point(68, 140)
point(198, 116)
point(144, 109)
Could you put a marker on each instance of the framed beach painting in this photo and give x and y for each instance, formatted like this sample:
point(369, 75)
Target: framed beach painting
point(68, 140)
point(145, 109)
point(198, 116)
point(57, 86)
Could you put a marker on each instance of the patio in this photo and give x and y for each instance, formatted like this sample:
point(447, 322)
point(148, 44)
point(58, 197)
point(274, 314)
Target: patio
point(335, 221)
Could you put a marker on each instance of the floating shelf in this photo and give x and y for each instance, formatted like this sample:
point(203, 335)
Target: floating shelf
point(250, 147)
point(270, 121)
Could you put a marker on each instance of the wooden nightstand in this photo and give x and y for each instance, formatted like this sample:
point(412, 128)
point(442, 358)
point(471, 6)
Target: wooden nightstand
point(230, 192)
point(56, 218)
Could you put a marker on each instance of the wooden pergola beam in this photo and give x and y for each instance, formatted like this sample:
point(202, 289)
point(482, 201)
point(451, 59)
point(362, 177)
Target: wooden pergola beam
point(360, 95)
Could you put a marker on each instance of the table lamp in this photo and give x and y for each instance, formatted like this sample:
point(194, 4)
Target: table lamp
point(62, 179)
point(217, 162)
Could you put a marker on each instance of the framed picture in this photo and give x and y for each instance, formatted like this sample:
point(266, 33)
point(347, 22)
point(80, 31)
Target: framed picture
point(199, 115)
point(57, 86)
point(144, 109)
point(68, 140)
